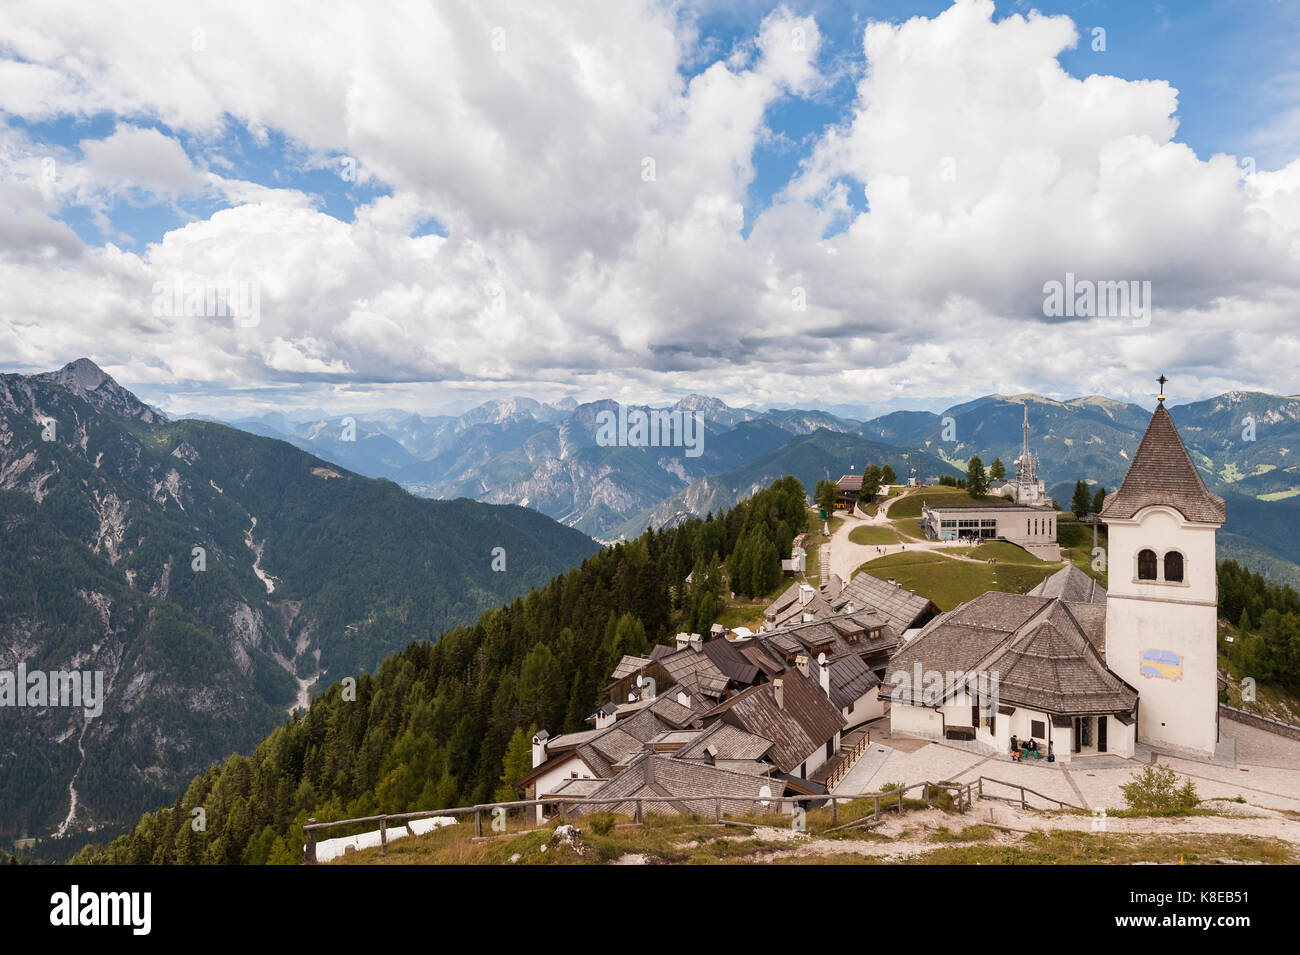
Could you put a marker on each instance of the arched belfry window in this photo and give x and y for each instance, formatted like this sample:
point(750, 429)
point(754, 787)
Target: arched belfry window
point(1174, 567)
point(1146, 565)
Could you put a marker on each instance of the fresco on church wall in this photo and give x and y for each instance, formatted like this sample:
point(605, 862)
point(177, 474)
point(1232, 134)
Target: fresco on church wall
point(1161, 665)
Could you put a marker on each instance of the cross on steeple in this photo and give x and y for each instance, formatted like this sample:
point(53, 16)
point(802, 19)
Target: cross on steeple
point(1162, 379)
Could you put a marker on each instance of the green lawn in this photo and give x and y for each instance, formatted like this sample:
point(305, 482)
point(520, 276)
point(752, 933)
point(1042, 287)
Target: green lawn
point(874, 534)
point(1002, 551)
point(951, 582)
point(910, 506)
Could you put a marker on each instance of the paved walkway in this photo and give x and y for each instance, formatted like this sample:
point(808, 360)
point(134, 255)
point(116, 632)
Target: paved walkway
point(1267, 773)
point(846, 556)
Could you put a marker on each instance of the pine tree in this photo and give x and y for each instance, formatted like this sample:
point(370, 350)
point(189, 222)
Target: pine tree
point(887, 475)
point(997, 470)
point(517, 762)
point(1082, 500)
point(871, 480)
point(977, 481)
point(1098, 499)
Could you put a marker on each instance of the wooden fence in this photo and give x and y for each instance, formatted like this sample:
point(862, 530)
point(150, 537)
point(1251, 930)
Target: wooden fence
point(963, 794)
point(842, 770)
point(1024, 792)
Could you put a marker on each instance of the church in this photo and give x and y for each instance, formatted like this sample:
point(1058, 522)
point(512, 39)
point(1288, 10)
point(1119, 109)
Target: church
point(1078, 668)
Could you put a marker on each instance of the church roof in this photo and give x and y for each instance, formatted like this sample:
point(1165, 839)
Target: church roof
point(1044, 655)
point(1050, 665)
point(1162, 473)
point(1071, 583)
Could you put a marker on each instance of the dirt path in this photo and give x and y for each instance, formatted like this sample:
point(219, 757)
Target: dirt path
point(909, 835)
point(846, 556)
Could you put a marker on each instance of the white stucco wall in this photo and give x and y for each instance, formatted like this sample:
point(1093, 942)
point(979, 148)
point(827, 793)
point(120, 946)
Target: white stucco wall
point(1179, 709)
point(869, 706)
point(545, 784)
point(915, 721)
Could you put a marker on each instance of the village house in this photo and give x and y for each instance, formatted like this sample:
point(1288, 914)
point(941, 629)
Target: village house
point(848, 489)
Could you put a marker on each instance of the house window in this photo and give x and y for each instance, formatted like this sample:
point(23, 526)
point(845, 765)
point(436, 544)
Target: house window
point(1146, 565)
point(1037, 728)
point(1174, 567)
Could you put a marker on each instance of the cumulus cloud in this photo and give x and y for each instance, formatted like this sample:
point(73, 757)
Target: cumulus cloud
point(592, 190)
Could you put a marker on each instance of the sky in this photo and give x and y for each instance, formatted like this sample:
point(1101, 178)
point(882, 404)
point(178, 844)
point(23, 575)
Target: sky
point(242, 207)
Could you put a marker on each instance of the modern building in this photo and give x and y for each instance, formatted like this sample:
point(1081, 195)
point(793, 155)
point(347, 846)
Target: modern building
point(1033, 528)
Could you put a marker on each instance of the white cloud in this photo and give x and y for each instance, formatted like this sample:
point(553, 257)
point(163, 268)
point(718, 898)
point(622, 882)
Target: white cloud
point(142, 158)
point(986, 168)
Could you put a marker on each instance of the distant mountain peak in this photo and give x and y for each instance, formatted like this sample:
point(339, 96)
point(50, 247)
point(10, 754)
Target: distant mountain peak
point(82, 374)
point(1027, 396)
point(97, 386)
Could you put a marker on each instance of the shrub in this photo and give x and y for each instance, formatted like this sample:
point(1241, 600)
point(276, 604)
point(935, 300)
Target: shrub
point(1155, 788)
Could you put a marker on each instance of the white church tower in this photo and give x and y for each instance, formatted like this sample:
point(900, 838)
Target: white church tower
point(1162, 601)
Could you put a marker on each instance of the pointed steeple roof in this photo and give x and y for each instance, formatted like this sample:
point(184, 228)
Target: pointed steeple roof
point(1162, 473)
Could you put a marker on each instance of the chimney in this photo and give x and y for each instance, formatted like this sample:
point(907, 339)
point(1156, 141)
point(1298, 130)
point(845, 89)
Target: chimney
point(778, 691)
point(808, 618)
point(697, 642)
point(605, 716)
point(650, 770)
point(805, 594)
point(801, 661)
point(539, 747)
point(683, 639)
point(824, 673)
point(849, 608)
point(710, 754)
point(683, 698)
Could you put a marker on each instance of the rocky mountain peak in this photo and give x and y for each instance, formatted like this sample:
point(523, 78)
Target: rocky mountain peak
point(91, 382)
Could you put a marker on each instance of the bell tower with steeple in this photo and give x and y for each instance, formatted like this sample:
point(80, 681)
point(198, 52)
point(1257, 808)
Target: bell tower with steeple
point(1162, 590)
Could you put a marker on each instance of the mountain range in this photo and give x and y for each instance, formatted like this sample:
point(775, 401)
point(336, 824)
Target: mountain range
point(546, 456)
point(212, 577)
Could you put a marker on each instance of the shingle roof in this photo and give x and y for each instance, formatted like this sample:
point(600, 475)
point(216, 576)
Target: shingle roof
point(731, 742)
point(628, 665)
point(616, 745)
point(657, 775)
point(668, 709)
point(695, 671)
point(900, 606)
point(851, 679)
point(805, 720)
point(1162, 472)
point(1042, 654)
point(1051, 666)
point(731, 662)
point(1071, 583)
